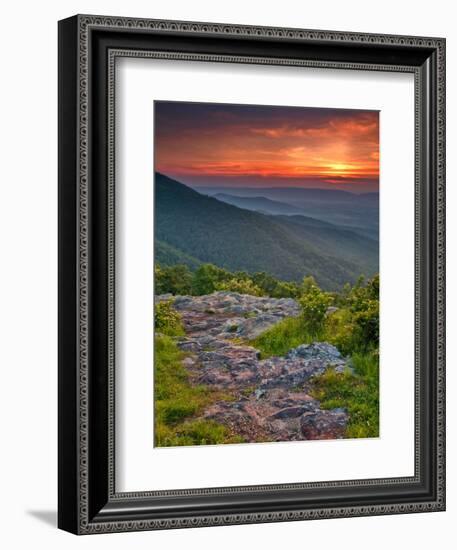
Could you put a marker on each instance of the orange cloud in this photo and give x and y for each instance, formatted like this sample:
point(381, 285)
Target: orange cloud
point(339, 147)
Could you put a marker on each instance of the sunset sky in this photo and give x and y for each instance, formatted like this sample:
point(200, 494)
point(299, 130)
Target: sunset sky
point(211, 144)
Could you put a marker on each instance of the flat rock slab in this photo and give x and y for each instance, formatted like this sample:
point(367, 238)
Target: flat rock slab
point(270, 402)
point(279, 415)
point(227, 365)
point(232, 314)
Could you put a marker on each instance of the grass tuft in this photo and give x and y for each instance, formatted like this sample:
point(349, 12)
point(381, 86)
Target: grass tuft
point(177, 401)
point(287, 334)
point(358, 393)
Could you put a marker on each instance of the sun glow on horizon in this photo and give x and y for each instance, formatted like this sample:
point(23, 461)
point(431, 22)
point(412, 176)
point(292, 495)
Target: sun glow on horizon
point(257, 143)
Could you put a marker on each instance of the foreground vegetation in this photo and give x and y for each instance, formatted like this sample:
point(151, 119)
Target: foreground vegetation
point(358, 393)
point(354, 329)
point(176, 401)
point(352, 325)
point(208, 278)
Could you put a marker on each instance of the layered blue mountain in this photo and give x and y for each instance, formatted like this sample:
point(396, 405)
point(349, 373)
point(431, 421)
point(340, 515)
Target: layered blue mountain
point(259, 204)
point(193, 228)
point(358, 212)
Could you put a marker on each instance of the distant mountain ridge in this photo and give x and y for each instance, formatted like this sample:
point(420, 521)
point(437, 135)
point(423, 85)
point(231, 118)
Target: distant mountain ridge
point(259, 204)
point(359, 212)
point(191, 227)
point(310, 192)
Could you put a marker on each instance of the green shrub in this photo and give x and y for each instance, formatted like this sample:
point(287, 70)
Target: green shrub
point(175, 279)
point(265, 281)
point(206, 277)
point(308, 284)
point(286, 289)
point(239, 285)
point(366, 321)
point(339, 329)
point(363, 302)
point(314, 304)
point(167, 320)
point(270, 286)
point(355, 326)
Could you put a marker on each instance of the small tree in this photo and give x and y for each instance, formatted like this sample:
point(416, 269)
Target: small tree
point(360, 281)
point(206, 277)
point(367, 322)
point(342, 297)
point(308, 284)
point(314, 303)
point(364, 306)
point(158, 279)
point(265, 281)
point(174, 279)
point(286, 289)
point(166, 319)
point(373, 287)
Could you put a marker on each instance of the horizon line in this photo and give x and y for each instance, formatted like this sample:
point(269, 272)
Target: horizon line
point(255, 188)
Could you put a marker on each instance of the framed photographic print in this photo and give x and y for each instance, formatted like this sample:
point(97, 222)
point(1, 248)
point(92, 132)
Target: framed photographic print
point(251, 274)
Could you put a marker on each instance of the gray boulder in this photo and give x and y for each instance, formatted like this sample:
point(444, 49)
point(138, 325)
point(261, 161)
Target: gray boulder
point(317, 350)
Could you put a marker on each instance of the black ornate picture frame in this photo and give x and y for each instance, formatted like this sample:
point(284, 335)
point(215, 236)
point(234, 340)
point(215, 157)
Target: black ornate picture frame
point(88, 47)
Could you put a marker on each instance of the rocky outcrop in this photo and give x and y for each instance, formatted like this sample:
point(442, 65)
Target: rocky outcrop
point(270, 396)
point(232, 315)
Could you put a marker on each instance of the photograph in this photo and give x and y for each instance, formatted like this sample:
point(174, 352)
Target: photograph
point(266, 273)
point(226, 285)
point(251, 271)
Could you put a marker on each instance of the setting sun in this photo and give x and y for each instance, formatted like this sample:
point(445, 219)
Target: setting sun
point(215, 144)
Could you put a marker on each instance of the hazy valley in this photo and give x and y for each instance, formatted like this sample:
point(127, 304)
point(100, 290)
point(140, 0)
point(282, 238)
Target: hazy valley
point(260, 233)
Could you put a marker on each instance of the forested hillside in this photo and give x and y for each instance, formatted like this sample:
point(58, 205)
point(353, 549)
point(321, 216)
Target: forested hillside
point(192, 228)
